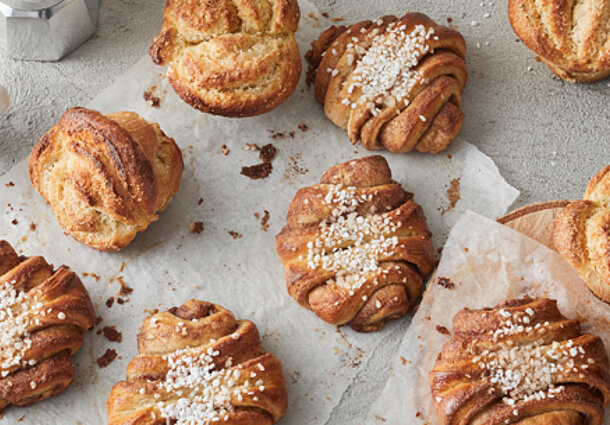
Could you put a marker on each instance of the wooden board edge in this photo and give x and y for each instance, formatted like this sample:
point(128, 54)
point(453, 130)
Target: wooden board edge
point(532, 208)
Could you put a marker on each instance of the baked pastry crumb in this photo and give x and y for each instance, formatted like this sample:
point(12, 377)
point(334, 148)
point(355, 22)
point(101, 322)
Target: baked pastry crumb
point(196, 227)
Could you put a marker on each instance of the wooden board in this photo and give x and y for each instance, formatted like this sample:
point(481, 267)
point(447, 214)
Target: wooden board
point(535, 221)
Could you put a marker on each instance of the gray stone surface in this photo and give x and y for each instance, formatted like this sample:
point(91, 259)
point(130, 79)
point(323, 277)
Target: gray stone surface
point(547, 137)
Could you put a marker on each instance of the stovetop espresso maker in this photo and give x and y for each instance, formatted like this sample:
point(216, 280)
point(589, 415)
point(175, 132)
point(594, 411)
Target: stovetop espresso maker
point(45, 30)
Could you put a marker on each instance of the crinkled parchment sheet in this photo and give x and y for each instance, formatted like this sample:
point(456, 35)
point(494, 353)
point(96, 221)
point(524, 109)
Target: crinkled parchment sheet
point(488, 263)
point(166, 265)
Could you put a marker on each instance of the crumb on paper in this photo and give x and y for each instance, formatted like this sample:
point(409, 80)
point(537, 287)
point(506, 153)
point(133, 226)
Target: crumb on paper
point(98, 320)
point(258, 171)
point(265, 221)
point(196, 227)
point(109, 302)
point(315, 19)
point(337, 19)
point(107, 358)
point(445, 282)
point(93, 275)
point(9, 184)
point(125, 289)
point(303, 127)
point(200, 201)
point(234, 234)
point(111, 334)
point(379, 418)
point(403, 360)
point(151, 312)
point(324, 14)
point(453, 194)
point(15, 222)
point(122, 266)
point(225, 150)
point(151, 97)
point(442, 330)
point(251, 147)
point(294, 167)
point(277, 134)
point(267, 153)
point(264, 169)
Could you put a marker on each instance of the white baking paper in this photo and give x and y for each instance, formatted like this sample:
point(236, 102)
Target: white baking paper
point(166, 265)
point(488, 263)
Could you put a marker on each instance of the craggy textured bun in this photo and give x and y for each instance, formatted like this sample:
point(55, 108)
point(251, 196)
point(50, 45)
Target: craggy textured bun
point(356, 247)
point(196, 364)
point(571, 37)
point(393, 84)
point(581, 234)
point(43, 315)
point(105, 176)
point(521, 362)
point(235, 58)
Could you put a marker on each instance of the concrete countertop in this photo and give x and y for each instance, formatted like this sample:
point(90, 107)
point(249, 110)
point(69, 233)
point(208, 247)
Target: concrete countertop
point(548, 137)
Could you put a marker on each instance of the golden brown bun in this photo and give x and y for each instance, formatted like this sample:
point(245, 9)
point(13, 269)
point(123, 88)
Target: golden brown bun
point(235, 58)
point(210, 336)
point(521, 362)
point(355, 85)
point(105, 176)
point(571, 37)
point(356, 212)
point(41, 326)
point(581, 234)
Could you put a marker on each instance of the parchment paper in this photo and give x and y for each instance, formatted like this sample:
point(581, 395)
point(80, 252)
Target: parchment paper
point(166, 265)
point(488, 263)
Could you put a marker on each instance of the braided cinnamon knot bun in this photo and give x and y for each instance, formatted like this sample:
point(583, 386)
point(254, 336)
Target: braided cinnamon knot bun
point(521, 362)
point(356, 247)
point(43, 315)
point(105, 176)
point(198, 365)
point(393, 84)
point(581, 234)
point(230, 57)
point(570, 37)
